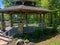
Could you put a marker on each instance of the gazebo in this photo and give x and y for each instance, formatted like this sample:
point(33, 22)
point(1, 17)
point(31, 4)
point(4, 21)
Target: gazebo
point(23, 7)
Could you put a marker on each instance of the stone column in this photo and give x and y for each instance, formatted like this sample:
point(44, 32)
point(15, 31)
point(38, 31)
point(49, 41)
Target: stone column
point(20, 26)
point(2, 22)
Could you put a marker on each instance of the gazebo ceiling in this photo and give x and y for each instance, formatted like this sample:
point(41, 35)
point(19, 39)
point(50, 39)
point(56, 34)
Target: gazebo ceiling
point(24, 9)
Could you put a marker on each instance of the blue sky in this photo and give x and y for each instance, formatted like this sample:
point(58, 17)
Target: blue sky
point(1, 5)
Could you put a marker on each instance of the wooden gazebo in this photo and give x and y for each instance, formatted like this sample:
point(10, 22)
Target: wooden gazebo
point(22, 8)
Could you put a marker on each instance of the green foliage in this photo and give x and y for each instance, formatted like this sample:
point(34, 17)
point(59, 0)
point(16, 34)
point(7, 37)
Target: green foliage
point(37, 34)
point(6, 17)
point(50, 32)
point(6, 3)
point(45, 3)
point(26, 41)
point(58, 28)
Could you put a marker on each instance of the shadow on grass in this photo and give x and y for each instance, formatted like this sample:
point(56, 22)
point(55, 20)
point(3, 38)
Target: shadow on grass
point(39, 35)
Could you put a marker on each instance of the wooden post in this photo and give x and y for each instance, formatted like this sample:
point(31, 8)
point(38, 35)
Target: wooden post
point(11, 20)
point(40, 20)
point(51, 19)
point(34, 3)
point(43, 20)
point(2, 22)
point(56, 20)
point(26, 21)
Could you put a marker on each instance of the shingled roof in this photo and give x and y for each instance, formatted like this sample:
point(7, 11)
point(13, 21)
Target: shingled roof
point(22, 0)
point(24, 9)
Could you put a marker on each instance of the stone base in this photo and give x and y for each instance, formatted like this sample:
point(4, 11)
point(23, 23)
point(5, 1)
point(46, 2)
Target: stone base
point(20, 28)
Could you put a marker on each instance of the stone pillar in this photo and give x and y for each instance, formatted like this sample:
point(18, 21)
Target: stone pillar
point(20, 26)
point(2, 22)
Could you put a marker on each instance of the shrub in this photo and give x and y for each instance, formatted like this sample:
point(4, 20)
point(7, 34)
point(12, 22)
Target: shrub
point(26, 41)
point(58, 28)
point(50, 32)
point(37, 34)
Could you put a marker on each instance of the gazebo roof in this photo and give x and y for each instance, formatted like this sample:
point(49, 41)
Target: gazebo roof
point(24, 9)
point(22, 0)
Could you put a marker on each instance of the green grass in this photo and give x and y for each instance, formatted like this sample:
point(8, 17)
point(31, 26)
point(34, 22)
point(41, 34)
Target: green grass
point(34, 24)
point(54, 42)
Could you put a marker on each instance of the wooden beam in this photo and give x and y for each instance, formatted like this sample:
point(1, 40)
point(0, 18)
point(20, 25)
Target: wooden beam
point(26, 12)
point(2, 22)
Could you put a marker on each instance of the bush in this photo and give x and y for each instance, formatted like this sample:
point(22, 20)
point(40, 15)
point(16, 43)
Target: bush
point(41, 34)
point(26, 41)
point(38, 34)
point(50, 32)
point(58, 28)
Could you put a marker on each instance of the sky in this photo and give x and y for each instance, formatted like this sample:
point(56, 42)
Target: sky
point(1, 5)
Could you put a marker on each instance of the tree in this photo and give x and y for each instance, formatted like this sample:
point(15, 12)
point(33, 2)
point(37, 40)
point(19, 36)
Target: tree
point(54, 4)
point(45, 3)
point(7, 3)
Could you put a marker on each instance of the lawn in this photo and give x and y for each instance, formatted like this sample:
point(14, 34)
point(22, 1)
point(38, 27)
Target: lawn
point(52, 41)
